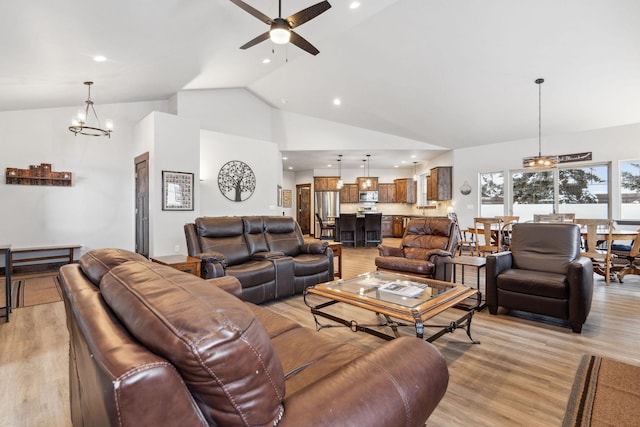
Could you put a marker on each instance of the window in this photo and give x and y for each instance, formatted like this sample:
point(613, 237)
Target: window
point(492, 194)
point(630, 189)
point(583, 191)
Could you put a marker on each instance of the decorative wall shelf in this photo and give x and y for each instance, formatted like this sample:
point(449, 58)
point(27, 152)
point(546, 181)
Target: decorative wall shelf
point(38, 175)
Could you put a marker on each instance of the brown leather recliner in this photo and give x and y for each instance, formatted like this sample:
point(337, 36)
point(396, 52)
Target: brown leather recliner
point(426, 245)
point(154, 346)
point(543, 273)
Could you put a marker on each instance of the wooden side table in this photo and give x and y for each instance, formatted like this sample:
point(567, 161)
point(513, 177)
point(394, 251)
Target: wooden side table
point(336, 247)
point(180, 262)
point(473, 261)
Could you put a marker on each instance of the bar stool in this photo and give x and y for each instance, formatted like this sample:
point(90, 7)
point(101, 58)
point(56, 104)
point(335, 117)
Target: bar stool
point(372, 228)
point(348, 228)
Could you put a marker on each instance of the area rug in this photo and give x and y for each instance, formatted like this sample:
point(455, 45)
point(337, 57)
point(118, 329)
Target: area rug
point(605, 392)
point(35, 289)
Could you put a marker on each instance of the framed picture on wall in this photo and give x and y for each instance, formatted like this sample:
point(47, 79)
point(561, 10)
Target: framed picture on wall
point(286, 198)
point(177, 191)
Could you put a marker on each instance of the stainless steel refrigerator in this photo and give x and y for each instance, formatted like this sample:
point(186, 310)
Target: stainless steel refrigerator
point(328, 207)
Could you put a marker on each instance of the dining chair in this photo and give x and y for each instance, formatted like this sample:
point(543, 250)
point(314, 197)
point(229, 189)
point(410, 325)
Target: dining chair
point(464, 242)
point(506, 229)
point(487, 232)
point(632, 254)
point(326, 227)
point(596, 244)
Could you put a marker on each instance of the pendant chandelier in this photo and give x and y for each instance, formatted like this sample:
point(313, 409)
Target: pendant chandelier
point(83, 124)
point(368, 178)
point(540, 162)
point(340, 183)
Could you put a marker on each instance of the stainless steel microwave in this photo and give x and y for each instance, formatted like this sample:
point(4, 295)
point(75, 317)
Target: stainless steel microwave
point(368, 196)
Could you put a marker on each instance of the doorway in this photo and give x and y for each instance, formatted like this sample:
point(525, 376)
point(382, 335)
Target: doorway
point(303, 203)
point(142, 204)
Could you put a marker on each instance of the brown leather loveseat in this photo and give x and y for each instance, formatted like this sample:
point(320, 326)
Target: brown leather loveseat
point(267, 254)
point(154, 346)
point(426, 246)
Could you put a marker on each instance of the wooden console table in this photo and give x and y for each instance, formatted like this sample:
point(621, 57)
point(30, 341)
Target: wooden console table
point(336, 247)
point(66, 254)
point(180, 262)
point(7, 280)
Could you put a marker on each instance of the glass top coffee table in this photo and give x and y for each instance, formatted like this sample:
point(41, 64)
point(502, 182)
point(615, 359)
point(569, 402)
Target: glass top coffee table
point(395, 297)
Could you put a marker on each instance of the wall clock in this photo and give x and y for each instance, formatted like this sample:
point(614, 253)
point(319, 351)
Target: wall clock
point(236, 181)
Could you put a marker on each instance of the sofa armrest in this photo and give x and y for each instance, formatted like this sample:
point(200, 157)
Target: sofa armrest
point(496, 264)
point(580, 278)
point(267, 255)
point(213, 264)
point(314, 247)
point(212, 257)
point(411, 378)
point(432, 253)
point(229, 284)
point(385, 250)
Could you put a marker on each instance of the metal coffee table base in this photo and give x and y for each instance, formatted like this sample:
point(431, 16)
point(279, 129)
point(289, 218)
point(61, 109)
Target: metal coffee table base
point(462, 322)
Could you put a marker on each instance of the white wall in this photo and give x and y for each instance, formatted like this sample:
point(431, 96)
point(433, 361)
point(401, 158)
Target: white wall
point(263, 157)
point(610, 144)
point(98, 210)
point(173, 144)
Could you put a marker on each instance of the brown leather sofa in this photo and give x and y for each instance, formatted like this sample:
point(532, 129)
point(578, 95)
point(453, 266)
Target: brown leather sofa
point(543, 273)
point(426, 245)
point(154, 346)
point(267, 254)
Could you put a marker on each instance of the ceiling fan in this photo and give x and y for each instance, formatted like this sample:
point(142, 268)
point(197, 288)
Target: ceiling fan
point(280, 32)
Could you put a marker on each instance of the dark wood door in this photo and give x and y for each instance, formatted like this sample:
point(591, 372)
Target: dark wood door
point(142, 204)
point(303, 202)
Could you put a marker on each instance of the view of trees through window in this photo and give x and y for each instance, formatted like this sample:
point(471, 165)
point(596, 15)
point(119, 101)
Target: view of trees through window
point(630, 189)
point(583, 191)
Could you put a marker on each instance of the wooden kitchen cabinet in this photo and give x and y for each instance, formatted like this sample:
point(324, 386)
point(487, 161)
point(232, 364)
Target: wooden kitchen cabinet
point(387, 226)
point(325, 183)
point(398, 226)
point(349, 193)
point(386, 193)
point(439, 183)
point(406, 190)
point(361, 183)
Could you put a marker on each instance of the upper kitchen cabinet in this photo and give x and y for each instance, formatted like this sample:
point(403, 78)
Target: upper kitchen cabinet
point(439, 183)
point(349, 193)
point(325, 183)
point(361, 181)
point(386, 193)
point(405, 190)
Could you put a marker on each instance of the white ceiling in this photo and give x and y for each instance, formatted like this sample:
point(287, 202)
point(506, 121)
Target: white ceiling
point(449, 73)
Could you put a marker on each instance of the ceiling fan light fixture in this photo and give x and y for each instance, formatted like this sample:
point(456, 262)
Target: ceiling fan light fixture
point(280, 33)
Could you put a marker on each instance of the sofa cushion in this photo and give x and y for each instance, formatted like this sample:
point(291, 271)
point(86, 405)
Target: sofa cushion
point(220, 348)
point(540, 283)
point(282, 236)
point(224, 235)
point(534, 246)
point(254, 233)
point(408, 265)
point(96, 263)
point(308, 264)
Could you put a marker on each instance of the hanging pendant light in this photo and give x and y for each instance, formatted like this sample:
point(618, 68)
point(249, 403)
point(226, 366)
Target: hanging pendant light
point(540, 162)
point(83, 124)
point(340, 183)
point(368, 177)
point(415, 171)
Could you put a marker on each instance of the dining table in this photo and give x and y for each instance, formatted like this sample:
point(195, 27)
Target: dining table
point(603, 235)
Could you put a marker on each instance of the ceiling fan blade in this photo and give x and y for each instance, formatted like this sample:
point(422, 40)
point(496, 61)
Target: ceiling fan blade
point(307, 14)
point(303, 44)
point(255, 12)
point(260, 38)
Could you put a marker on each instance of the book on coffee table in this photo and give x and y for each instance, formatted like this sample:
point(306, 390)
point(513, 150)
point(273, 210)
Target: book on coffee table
point(405, 289)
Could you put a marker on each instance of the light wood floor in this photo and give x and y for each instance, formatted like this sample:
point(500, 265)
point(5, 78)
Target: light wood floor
point(520, 374)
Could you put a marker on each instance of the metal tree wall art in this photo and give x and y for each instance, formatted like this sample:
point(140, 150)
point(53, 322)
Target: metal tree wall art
point(236, 181)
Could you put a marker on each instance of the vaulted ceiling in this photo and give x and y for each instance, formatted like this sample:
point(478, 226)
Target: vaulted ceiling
point(451, 74)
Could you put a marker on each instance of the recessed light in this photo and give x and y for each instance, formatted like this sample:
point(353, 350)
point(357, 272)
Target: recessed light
point(404, 161)
point(285, 158)
point(337, 101)
point(290, 167)
point(283, 100)
point(99, 58)
point(266, 60)
point(328, 166)
point(354, 5)
point(395, 166)
point(413, 156)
